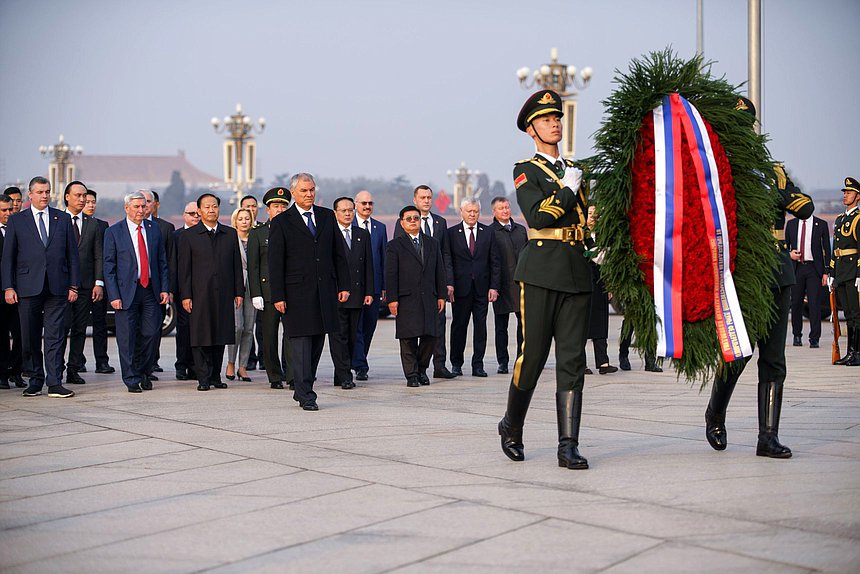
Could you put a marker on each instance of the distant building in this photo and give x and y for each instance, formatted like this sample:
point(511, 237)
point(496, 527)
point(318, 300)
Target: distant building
point(113, 176)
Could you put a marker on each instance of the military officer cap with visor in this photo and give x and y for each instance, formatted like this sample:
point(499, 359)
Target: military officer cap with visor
point(539, 104)
point(851, 184)
point(277, 195)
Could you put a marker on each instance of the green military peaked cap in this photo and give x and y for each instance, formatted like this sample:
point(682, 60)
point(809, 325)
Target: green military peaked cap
point(277, 195)
point(539, 104)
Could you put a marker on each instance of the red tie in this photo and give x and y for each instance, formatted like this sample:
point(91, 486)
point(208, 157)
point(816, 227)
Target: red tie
point(144, 259)
point(472, 240)
point(803, 241)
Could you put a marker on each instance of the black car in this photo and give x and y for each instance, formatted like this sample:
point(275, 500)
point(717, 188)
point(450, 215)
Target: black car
point(166, 327)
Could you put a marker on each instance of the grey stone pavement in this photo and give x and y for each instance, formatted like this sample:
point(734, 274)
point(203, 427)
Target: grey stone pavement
point(385, 478)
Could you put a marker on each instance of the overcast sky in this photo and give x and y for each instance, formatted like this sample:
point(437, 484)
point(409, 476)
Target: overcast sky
point(385, 88)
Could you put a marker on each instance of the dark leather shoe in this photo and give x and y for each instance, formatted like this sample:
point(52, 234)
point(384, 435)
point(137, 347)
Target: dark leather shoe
point(310, 406)
point(512, 441)
point(423, 380)
point(443, 373)
point(457, 371)
point(479, 373)
point(278, 385)
point(135, 388)
point(19, 382)
point(82, 369)
point(182, 376)
point(157, 369)
point(624, 363)
point(219, 385)
point(202, 387)
point(347, 385)
point(105, 369)
point(412, 382)
point(337, 383)
point(146, 383)
point(769, 446)
point(813, 344)
point(502, 370)
point(654, 368)
point(796, 342)
point(152, 377)
point(715, 429)
point(73, 378)
point(588, 371)
point(230, 377)
point(361, 375)
point(607, 369)
point(4, 383)
point(292, 385)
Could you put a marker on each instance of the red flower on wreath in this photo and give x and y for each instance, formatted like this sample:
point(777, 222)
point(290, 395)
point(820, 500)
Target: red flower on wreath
point(698, 273)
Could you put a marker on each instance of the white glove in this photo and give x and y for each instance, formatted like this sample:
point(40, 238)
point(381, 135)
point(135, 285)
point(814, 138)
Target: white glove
point(572, 178)
point(857, 283)
point(258, 303)
point(830, 282)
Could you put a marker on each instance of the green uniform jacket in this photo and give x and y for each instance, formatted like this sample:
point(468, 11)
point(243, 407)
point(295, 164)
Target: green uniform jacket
point(258, 262)
point(791, 200)
point(550, 264)
point(846, 235)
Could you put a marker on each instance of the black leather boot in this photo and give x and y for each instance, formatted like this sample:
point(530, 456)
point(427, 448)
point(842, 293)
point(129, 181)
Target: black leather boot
point(568, 406)
point(854, 360)
point(511, 425)
point(715, 414)
point(849, 354)
point(769, 408)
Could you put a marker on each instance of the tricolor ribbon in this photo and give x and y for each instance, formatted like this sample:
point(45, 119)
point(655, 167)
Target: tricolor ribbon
point(674, 117)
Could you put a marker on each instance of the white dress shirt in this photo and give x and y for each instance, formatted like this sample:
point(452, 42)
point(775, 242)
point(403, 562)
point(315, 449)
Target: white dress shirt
point(360, 223)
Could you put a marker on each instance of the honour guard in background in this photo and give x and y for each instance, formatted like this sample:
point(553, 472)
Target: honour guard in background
point(845, 267)
point(771, 348)
point(555, 279)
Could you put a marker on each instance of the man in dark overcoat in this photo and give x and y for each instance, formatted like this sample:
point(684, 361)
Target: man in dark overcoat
point(211, 284)
point(416, 290)
point(309, 276)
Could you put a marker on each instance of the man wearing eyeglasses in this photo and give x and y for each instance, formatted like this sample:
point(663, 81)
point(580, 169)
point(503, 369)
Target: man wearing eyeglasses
point(184, 359)
point(369, 313)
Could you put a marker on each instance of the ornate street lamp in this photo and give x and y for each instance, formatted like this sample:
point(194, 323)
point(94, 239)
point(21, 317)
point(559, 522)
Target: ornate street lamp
point(462, 183)
point(240, 150)
point(61, 168)
point(563, 80)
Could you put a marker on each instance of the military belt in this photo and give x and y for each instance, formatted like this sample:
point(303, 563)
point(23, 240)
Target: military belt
point(575, 233)
point(779, 234)
point(843, 252)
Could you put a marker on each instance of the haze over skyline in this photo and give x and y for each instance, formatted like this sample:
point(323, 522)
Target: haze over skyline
point(383, 88)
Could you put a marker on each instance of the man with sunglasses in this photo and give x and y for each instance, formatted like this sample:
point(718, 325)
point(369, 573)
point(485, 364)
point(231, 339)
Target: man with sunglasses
point(184, 359)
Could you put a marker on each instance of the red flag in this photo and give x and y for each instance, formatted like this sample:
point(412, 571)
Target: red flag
point(442, 202)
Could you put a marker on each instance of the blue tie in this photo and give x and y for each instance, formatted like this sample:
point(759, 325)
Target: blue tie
point(42, 231)
point(311, 226)
point(417, 245)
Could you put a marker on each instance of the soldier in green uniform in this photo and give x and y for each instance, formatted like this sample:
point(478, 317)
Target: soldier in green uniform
point(771, 361)
point(276, 201)
point(845, 267)
point(556, 282)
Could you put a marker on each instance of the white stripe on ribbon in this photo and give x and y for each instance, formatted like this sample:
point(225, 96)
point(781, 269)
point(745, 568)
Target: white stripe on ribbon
point(659, 226)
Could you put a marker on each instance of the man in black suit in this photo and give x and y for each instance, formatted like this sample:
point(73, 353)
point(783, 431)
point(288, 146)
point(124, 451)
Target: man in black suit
point(809, 240)
point(99, 308)
point(415, 277)
point(278, 365)
point(356, 242)
point(477, 276)
point(184, 363)
point(435, 226)
point(10, 323)
point(309, 276)
point(153, 203)
point(511, 237)
point(40, 271)
point(91, 289)
point(211, 285)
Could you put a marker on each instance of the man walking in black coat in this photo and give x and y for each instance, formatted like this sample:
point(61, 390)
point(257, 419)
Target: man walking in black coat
point(184, 363)
point(10, 324)
point(90, 241)
point(809, 240)
point(309, 276)
point(477, 275)
point(511, 237)
point(416, 290)
point(211, 284)
point(356, 242)
point(99, 310)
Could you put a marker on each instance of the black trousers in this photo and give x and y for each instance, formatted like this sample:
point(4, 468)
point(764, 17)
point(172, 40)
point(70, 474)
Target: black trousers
point(473, 306)
point(440, 354)
point(137, 330)
point(10, 340)
point(76, 328)
point(44, 312)
point(850, 302)
point(184, 357)
point(307, 351)
point(415, 353)
point(501, 325)
point(341, 343)
point(364, 334)
point(601, 354)
point(207, 363)
point(100, 334)
point(279, 366)
point(808, 282)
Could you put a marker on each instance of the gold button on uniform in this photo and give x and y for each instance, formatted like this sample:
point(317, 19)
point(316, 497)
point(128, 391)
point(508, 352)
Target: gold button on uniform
point(540, 243)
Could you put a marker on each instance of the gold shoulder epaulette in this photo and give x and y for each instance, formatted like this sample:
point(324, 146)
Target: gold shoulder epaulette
point(527, 160)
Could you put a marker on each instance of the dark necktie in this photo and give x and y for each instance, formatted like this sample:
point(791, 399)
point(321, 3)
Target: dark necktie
point(472, 240)
point(803, 241)
point(507, 226)
point(559, 168)
point(43, 231)
point(416, 244)
point(77, 230)
point(144, 259)
point(367, 226)
point(311, 226)
point(427, 230)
